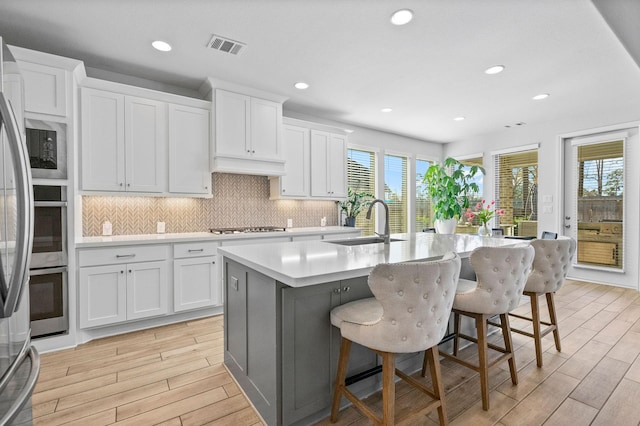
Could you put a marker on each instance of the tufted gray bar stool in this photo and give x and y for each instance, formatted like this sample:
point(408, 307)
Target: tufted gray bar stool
point(409, 313)
point(501, 273)
point(550, 266)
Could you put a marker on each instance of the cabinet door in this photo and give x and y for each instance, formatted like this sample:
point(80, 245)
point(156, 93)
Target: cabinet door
point(145, 145)
point(307, 348)
point(295, 182)
point(102, 141)
point(195, 283)
point(235, 314)
point(189, 150)
point(12, 85)
point(147, 289)
point(103, 295)
point(45, 89)
point(337, 165)
point(319, 159)
point(232, 124)
point(266, 128)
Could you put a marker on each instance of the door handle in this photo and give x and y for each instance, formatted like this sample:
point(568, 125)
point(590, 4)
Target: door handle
point(10, 292)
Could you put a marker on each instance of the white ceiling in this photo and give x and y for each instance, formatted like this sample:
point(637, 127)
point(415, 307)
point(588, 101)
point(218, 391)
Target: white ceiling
point(355, 61)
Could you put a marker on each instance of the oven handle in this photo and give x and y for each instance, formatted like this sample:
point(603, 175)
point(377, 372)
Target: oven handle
point(47, 271)
point(50, 204)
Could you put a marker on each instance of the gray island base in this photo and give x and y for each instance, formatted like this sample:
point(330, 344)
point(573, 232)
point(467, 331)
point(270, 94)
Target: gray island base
point(279, 343)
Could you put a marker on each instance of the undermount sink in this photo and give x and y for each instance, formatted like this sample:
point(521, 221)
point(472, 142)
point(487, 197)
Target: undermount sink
point(361, 241)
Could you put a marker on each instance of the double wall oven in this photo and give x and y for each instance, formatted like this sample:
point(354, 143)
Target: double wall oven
point(48, 271)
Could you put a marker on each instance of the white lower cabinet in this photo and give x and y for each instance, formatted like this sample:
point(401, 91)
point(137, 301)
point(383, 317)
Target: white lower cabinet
point(124, 290)
point(196, 282)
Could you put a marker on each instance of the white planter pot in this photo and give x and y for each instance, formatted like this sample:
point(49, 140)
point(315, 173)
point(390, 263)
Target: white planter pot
point(447, 226)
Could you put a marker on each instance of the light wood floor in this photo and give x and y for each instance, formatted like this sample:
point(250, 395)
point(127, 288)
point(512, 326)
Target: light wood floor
point(174, 375)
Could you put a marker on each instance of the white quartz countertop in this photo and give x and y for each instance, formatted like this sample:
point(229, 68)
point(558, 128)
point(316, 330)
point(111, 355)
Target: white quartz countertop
point(303, 263)
point(115, 240)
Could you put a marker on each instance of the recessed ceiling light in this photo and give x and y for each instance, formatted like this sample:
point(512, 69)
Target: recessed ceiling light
point(301, 85)
point(459, 118)
point(387, 109)
point(494, 69)
point(162, 46)
point(401, 17)
point(540, 97)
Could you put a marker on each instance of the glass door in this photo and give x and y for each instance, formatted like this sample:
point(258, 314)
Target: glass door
point(597, 176)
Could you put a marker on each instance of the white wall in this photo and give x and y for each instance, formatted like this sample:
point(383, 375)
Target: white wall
point(377, 139)
point(550, 168)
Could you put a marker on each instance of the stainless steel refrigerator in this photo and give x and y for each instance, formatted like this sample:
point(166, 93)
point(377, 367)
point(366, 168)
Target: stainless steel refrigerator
point(19, 361)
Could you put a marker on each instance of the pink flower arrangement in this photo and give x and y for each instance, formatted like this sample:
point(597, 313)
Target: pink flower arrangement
point(484, 211)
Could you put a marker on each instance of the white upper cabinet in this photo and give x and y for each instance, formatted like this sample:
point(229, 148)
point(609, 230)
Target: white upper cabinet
point(123, 143)
point(189, 150)
point(248, 135)
point(45, 89)
point(328, 165)
point(142, 141)
point(145, 144)
point(102, 140)
point(295, 182)
point(316, 162)
point(266, 129)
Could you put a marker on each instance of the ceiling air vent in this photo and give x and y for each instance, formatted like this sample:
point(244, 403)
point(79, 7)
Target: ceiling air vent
point(226, 45)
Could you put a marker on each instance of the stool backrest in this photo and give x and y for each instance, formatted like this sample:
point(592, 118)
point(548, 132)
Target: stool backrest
point(550, 264)
point(501, 273)
point(416, 299)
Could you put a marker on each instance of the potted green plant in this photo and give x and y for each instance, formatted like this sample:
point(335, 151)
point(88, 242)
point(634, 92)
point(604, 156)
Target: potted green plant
point(449, 186)
point(353, 205)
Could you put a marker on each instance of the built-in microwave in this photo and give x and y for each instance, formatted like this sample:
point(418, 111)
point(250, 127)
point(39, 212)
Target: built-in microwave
point(47, 146)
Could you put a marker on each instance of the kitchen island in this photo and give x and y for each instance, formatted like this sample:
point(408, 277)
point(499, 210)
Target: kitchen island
point(279, 342)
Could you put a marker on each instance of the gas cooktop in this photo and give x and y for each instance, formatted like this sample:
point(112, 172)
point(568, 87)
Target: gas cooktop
point(245, 230)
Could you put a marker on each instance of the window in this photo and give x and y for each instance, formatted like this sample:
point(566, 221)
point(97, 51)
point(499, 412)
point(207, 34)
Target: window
point(599, 200)
point(361, 174)
point(395, 192)
point(517, 190)
point(424, 210)
point(478, 179)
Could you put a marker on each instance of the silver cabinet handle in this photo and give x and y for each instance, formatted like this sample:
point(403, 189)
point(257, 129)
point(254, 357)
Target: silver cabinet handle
point(122, 256)
point(196, 250)
point(346, 289)
point(337, 290)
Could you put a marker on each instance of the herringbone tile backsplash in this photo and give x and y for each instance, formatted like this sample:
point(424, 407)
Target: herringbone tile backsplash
point(238, 200)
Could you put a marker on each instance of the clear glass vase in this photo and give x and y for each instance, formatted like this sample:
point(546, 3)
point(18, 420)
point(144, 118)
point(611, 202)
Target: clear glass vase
point(484, 230)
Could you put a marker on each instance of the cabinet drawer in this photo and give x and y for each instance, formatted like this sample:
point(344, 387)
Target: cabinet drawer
point(122, 254)
point(203, 248)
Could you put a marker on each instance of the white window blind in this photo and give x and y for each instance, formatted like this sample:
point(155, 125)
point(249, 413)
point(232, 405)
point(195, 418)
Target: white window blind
point(516, 190)
point(597, 201)
point(395, 192)
point(424, 209)
point(361, 173)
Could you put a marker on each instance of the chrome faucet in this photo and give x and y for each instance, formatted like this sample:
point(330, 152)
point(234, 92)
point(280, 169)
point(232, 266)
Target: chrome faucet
point(386, 235)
